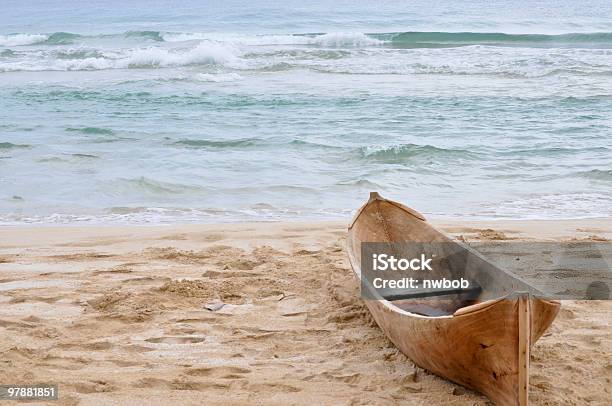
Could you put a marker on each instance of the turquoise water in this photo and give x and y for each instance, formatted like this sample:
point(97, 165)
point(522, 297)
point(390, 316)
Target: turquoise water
point(136, 112)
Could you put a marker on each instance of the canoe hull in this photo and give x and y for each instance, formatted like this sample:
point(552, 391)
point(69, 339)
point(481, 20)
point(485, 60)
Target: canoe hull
point(479, 349)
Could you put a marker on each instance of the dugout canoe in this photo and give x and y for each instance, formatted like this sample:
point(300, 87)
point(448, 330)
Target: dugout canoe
point(479, 342)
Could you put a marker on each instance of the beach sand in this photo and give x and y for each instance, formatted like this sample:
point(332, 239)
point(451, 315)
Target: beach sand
point(233, 314)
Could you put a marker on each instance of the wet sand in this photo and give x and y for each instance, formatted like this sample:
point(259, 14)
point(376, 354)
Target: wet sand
point(243, 314)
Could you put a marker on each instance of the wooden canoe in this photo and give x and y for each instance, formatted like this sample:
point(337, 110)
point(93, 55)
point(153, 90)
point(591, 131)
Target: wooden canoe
point(482, 344)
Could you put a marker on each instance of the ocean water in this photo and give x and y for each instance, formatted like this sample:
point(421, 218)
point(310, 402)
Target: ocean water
point(141, 112)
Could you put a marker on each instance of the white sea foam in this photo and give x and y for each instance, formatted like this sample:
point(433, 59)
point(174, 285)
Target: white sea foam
point(550, 206)
point(339, 39)
point(334, 39)
point(184, 36)
point(162, 215)
point(336, 52)
point(206, 52)
point(21, 39)
point(237, 39)
point(218, 77)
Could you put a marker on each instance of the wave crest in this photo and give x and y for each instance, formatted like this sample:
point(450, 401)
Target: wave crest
point(148, 186)
point(10, 145)
point(427, 39)
point(340, 39)
point(244, 142)
point(91, 130)
point(21, 39)
point(61, 38)
point(152, 35)
point(597, 174)
point(203, 54)
point(408, 151)
point(330, 39)
point(454, 53)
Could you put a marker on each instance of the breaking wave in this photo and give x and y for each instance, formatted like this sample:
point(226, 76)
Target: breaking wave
point(404, 152)
point(205, 53)
point(66, 38)
point(461, 53)
point(332, 39)
point(12, 40)
point(414, 39)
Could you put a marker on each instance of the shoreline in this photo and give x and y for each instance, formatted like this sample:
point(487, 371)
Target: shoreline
point(521, 228)
point(331, 219)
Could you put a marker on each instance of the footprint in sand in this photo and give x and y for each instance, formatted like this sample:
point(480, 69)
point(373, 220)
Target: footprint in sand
point(228, 372)
point(183, 330)
point(98, 386)
point(178, 384)
point(276, 387)
point(175, 340)
point(127, 364)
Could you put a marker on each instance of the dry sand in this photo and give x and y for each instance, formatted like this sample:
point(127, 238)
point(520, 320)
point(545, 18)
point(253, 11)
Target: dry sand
point(134, 315)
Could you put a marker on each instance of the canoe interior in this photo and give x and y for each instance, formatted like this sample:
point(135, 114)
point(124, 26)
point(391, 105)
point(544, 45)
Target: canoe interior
point(408, 235)
point(434, 307)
